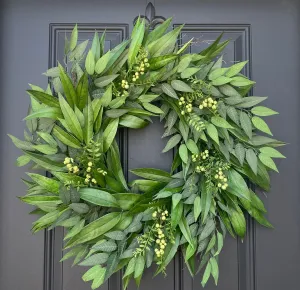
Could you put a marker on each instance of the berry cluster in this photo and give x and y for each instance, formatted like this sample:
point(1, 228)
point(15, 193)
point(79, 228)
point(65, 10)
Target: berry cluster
point(221, 178)
point(160, 236)
point(88, 177)
point(208, 103)
point(125, 85)
point(140, 69)
point(201, 156)
point(69, 162)
point(186, 106)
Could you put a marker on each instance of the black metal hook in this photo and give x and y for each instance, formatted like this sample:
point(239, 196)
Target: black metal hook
point(150, 16)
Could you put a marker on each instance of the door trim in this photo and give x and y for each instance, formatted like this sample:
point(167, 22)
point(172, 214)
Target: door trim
point(53, 269)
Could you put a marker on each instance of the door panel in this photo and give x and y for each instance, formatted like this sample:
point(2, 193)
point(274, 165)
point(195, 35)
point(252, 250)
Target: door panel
point(264, 31)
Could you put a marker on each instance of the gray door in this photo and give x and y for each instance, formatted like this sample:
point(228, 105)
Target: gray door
point(264, 31)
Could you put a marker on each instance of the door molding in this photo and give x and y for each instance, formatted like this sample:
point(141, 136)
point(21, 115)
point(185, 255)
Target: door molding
point(240, 35)
point(53, 239)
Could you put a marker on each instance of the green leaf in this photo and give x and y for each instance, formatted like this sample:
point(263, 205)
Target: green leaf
point(99, 279)
point(181, 86)
point(102, 63)
point(111, 265)
point(95, 229)
point(267, 160)
point(175, 199)
point(220, 243)
point(116, 235)
point(158, 31)
point(188, 72)
point(80, 208)
point(229, 91)
point(235, 69)
point(92, 273)
point(107, 96)
point(110, 133)
point(130, 267)
point(90, 63)
point(220, 122)
point(263, 111)
point(192, 146)
point(70, 118)
point(176, 214)
point(79, 50)
point(214, 269)
point(88, 122)
point(248, 102)
point(136, 41)
point(246, 124)
point(211, 243)
point(44, 98)
point(23, 145)
point(98, 197)
point(96, 46)
point(216, 73)
point(48, 138)
point(206, 274)
point(82, 91)
point(152, 108)
point(161, 61)
point(206, 198)
point(252, 160)
point(139, 266)
point(241, 82)
point(185, 230)
point(238, 222)
point(240, 152)
point(184, 62)
point(173, 141)
point(96, 259)
point(183, 153)
point(74, 38)
point(105, 80)
point(22, 160)
point(197, 207)
point(221, 81)
point(68, 87)
point(117, 102)
point(46, 149)
point(147, 98)
point(45, 162)
point(233, 114)
point(65, 137)
point(168, 90)
point(152, 174)
point(261, 125)
point(133, 122)
point(127, 200)
point(115, 53)
point(75, 230)
point(212, 132)
point(271, 152)
point(49, 184)
point(164, 44)
point(106, 246)
point(52, 72)
point(237, 185)
point(48, 112)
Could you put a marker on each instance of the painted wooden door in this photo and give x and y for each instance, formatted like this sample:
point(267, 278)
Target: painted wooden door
point(265, 32)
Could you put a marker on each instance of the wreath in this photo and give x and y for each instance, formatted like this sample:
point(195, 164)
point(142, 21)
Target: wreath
point(212, 125)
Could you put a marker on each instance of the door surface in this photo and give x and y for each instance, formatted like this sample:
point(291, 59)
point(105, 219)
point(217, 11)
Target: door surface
point(265, 32)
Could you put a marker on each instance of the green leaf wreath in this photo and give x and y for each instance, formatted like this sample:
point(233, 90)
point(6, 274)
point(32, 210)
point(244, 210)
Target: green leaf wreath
point(213, 127)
